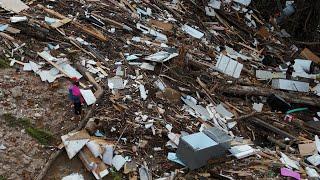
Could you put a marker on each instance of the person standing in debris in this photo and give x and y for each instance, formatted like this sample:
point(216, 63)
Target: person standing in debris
point(75, 96)
point(290, 70)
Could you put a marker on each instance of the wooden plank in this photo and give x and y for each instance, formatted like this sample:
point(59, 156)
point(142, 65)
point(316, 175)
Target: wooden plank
point(161, 25)
point(306, 53)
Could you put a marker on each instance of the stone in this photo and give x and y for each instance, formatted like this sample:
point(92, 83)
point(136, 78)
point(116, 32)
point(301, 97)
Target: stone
point(16, 92)
point(26, 159)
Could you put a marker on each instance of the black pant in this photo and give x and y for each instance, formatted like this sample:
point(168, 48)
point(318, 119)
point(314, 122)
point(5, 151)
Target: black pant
point(77, 108)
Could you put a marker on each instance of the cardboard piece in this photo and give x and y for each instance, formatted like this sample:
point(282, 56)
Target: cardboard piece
point(306, 53)
point(307, 149)
point(161, 25)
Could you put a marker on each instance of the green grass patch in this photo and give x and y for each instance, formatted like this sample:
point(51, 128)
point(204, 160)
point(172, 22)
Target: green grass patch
point(42, 136)
point(2, 177)
point(10, 119)
point(115, 175)
point(17, 122)
point(4, 64)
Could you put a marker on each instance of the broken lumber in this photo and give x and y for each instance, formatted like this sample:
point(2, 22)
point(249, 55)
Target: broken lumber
point(91, 31)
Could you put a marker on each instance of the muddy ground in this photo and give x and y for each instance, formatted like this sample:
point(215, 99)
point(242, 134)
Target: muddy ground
point(27, 100)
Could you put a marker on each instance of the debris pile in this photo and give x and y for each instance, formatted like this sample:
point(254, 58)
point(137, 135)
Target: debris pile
point(189, 88)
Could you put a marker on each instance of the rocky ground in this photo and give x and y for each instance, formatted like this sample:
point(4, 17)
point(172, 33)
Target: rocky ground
point(24, 97)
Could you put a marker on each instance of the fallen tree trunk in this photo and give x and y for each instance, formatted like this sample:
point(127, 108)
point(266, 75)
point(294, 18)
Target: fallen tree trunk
point(295, 98)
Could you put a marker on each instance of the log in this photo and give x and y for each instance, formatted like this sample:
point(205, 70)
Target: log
point(296, 98)
point(272, 128)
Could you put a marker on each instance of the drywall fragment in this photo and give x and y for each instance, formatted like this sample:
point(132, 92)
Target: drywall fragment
point(13, 5)
point(118, 161)
point(94, 148)
point(263, 75)
point(16, 19)
point(223, 111)
point(50, 20)
point(34, 66)
point(46, 76)
point(314, 159)
point(27, 67)
point(290, 85)
point(317, 142)
point(108, 155)
point(161, 56)
point(191, 31)
point(73, 176)
point(93, 164)
point(216, 4)
point(74, 142)
point(88, 96)
point(210, 11)
point(243, 2)
point(289, 162)
point(242, 151)
point(115, 83)
point(257, 107)
point(200, 110)
point(143, 93)
point(147, 66)
point(229, 66)
point(312, 173)
point(70, 71)
point(3, 27)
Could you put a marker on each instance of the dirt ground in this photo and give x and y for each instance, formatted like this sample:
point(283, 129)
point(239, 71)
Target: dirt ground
point(24, 96)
